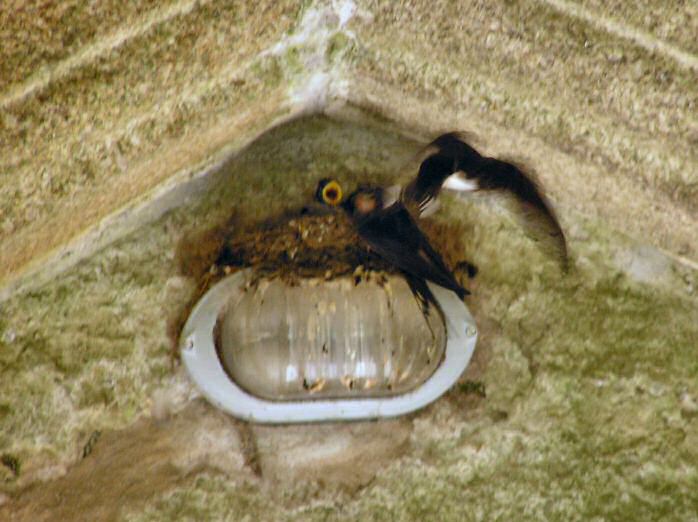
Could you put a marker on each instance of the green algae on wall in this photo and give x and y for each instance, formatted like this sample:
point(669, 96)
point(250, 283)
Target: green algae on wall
point(585, 413)
point(88, 350)
point(587, 383)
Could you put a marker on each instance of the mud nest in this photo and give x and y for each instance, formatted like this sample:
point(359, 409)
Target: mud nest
point(299, 246)
point(309, 242)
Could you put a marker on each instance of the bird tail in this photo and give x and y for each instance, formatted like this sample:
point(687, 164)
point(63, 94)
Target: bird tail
point(424, 295)
point(461, 292)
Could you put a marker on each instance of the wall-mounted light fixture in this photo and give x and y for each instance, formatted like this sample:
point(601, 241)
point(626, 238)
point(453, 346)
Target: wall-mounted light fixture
point(324, 350)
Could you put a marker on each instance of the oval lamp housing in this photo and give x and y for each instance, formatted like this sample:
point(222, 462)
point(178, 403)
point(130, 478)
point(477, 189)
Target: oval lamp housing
point(324, 350)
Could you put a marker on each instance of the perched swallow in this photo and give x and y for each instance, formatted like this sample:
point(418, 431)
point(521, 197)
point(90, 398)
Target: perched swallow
point(393, 234)
point(453, 164)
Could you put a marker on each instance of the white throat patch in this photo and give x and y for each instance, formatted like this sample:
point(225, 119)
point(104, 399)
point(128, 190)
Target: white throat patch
point(457, 181)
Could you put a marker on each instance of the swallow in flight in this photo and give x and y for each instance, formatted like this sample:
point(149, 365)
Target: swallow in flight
point(454, 165)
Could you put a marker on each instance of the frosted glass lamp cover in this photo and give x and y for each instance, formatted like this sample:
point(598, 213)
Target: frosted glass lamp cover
point(329, 339)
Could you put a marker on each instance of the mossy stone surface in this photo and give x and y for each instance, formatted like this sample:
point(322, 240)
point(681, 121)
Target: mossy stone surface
point(581, 402)
point(585, 384)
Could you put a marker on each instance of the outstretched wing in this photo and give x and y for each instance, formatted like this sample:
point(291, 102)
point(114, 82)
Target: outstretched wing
point(535, 212)
point(395, 236)
point(455, 165)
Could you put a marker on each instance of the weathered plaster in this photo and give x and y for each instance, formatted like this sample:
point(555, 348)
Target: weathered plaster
point(122, 134)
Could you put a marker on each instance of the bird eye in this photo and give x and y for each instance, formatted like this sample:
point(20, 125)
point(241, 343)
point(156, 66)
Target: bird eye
point(332, 193)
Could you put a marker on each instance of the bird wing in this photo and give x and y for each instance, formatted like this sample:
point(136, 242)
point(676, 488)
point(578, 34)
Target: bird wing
point(454, 164)
point(535, 212)
point(395, 236)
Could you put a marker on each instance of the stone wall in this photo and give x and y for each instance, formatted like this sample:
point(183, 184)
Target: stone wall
point(128, 129)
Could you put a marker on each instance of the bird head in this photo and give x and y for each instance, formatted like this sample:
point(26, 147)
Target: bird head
point(364, 201)
point(329, 192)
point(359, 204)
